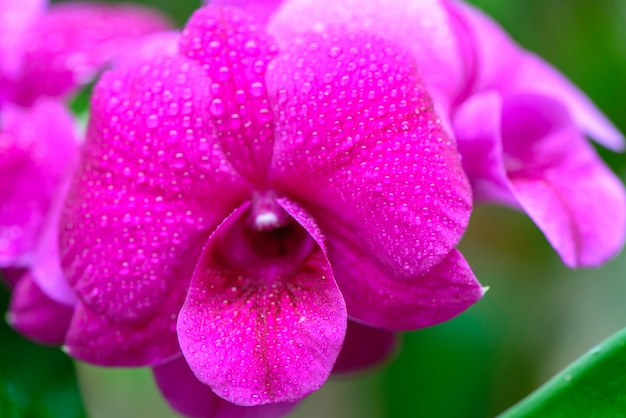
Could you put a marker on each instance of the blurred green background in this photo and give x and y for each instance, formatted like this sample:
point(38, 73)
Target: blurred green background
point(537, 316)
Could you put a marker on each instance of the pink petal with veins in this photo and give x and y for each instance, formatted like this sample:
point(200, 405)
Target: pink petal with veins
point(263, 327)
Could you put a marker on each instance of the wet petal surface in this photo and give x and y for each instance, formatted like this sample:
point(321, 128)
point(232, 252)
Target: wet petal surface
point(263, 332)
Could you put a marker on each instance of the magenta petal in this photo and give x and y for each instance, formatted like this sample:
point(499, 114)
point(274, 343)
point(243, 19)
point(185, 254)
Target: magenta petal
point(261, 9)
point(265, 333)
point(96, 339)
point(16, 18)
point(190, 397)
point(12, 275)
point(36, 316)
point(364, 347)
point(561, 182)
point(73, 41)
point(37, 148)
point(360, 142)
point(149, 47)
point(505, 66)
point(377, 297)
point(46, 264)
point(477, 124)
point(422, 27)
point(235, 51)
point(152, 186)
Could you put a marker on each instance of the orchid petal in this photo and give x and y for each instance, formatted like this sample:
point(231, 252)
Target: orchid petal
point(377, 298)
point(419, 26)
point(546, 168)
point(17, 17)
point(477, 123)
point(97, 339)
point(73, 41)
point(37, 147)
point(46, 265)
point(562, 183)
point(235, 53)
point(12, 275)
point(192, 398)
point(364, 347)
point(358, 141)
point(35, 315)
point(261, 9)
point(262, 334)
point(505, 66)
point(152, 186)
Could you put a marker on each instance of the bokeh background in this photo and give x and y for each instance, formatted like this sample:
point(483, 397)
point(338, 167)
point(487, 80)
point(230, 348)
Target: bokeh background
point(537, 317)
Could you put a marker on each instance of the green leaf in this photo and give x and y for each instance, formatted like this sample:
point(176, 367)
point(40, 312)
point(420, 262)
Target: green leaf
point(35, 381)
point(591, 386)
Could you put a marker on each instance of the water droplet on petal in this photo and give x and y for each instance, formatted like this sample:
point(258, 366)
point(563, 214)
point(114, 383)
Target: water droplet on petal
point(257, 89)
point(152, 121)
point(216, 107)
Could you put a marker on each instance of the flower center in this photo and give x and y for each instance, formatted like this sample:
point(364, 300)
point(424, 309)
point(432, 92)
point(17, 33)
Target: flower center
point(265, 236)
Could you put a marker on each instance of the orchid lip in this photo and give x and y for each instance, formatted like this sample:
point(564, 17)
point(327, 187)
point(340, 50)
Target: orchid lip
point(265, 237)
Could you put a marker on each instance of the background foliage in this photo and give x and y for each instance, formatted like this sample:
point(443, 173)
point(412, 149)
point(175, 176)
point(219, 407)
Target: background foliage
point(537, 317)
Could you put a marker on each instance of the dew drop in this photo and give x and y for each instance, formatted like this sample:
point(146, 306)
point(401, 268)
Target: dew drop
point(335, 51)
point(216, 107)
point(257, 89)
point(152, 121)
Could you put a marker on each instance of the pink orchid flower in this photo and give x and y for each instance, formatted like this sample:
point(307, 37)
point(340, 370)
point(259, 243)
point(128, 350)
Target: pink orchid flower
point(250, 204)
point(47, 53)
point(521, 132)
point(519, 123)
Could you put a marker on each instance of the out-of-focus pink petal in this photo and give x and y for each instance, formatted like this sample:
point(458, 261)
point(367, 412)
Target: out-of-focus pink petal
point(152, 186)
point(537, 77)
point(35, 315)
point(364, 347)
point(192, 398)
point(503, 65)
point(357, 140)
point(261, 9)
point(477, 123)
point(235, 51)
point(376, 297)
point(37, 147)
point(149, 47)
point(12, 275)
point(73, 41)
point(97, 339)
point(262, 333)
point(46, 265)
point(17, 17)
point(525, 151)
point(421, 26)
point(561, 182)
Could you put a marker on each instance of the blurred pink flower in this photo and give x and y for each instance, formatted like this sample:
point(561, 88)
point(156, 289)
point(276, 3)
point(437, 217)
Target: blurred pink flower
point(239, 202)
point(519, 123)
point(521, 131)
point(47, 53)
